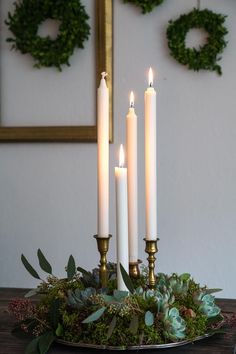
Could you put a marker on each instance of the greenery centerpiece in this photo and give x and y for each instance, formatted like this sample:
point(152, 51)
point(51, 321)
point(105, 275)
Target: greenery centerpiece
point(76, 309)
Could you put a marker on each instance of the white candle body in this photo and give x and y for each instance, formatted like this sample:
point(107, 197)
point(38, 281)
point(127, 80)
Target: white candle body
point(150, 164)
point(103, 158)
point(121, 224)
point(131, 143)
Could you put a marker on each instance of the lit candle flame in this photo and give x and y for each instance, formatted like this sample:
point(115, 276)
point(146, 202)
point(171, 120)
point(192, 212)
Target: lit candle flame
point(150, 77)
point(121, 156)
point(131, 99)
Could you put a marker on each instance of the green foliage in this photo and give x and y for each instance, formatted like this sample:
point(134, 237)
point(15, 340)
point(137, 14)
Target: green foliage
point(29, 267)
point(195, 326)
point(146, 5)
point(207, 56)
point(176, 309)
point(44, 263)
point(32, 347)
point(95, 315)
point(45, 341)
point(73, 30)
point(40, 345)
point(126, 278)
point(71, 268)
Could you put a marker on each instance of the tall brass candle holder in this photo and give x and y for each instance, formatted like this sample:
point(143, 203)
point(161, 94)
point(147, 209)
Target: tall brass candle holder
point(103, 246)
point(151, 249)
point(134, 271)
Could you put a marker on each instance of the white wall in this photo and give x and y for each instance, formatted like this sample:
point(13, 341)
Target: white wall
point(48, 191)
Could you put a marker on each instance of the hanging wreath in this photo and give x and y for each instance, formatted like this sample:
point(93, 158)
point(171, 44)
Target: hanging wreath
point(146, 5)
point(73, 30)
point(206, 56)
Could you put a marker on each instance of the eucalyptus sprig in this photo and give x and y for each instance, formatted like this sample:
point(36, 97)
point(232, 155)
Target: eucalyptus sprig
point(207, 56)
point(29, 14)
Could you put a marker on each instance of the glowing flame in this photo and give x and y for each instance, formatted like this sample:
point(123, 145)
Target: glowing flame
point(121, 156)
point(131, 99)
point(150, 77)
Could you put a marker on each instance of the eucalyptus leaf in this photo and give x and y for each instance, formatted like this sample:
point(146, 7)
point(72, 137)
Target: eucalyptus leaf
point(149, 318)
point(83, 271)
point(95, 316)
point(54, 312)
point(71, 268)
point(119, 295)
point(32, 347)
point(29, 267)
point(127, 280)
point(212, 291)
point(45, 341)
point(44, 264)
point(32, 292)
point(108, 298)
point(111, 327)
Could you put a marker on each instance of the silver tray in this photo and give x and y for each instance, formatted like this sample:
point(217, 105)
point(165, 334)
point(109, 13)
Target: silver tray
point(133, 347)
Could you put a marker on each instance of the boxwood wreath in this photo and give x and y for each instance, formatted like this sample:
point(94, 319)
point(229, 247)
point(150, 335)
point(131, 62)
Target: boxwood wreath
point(146, 5)
point(208, 55)
point(73, 30)
point(75, 309)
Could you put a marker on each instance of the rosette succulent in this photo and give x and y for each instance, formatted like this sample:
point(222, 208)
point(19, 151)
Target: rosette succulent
point(174, 324)
point(208, 306)
point(176, 284)
point(80, 298)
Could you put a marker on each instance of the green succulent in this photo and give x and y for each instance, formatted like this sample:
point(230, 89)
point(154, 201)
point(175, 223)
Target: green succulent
point(80, 298)
point(91, 279)
point(176, 284)
point(174, 324)
point(208, 306)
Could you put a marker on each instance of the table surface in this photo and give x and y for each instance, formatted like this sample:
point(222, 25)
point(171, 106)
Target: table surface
point(218, 344)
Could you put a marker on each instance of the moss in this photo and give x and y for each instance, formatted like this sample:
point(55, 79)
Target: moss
point(196, 326)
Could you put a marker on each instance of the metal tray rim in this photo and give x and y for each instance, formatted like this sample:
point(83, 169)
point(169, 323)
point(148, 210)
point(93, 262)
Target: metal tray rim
point(134, 347)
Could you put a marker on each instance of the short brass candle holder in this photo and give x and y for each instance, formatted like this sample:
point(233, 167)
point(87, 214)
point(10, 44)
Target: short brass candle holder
point(134, 271)
point(103, 246)
point(151, 249)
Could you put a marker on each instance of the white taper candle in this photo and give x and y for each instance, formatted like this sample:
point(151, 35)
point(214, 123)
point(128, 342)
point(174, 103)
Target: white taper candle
point(131, 143)
point(103, 157)
point(121, 220)
point(150, 161)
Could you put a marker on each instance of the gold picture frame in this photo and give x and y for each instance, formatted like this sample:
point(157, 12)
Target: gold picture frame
point(84, 133)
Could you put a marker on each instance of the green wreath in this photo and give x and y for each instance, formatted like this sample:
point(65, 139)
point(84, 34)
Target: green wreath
point(146, 5)
point(73, 30)
point(207, 56)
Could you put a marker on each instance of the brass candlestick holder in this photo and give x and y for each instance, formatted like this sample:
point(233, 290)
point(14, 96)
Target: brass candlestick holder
point(151, 249)
point(103, 246)
point(134, 271)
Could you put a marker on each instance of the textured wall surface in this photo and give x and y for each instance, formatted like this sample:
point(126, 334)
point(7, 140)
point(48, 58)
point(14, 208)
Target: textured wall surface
point(48, 191)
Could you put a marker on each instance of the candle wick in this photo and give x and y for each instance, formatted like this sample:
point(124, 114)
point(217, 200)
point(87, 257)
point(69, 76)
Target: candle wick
point(150, 84)
point(104, 74)
point(131, 104)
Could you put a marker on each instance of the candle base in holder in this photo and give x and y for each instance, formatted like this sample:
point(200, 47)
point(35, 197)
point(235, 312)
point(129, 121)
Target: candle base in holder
point(103, 246)
point(134, 271)
point(151, 249)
